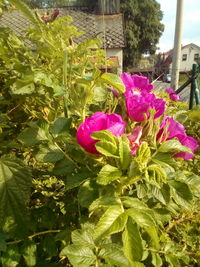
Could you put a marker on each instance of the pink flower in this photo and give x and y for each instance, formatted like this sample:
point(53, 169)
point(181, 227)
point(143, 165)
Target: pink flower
point(134, 139)
point(172, 95)
point(170, 129)
point(136, 84)
point(97, 122)
point(138, 106)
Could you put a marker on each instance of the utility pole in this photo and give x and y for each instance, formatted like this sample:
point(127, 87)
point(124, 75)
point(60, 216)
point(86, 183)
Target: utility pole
point(177, 45)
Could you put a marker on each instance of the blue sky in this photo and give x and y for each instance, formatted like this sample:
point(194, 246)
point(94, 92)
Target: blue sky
point(191, 24)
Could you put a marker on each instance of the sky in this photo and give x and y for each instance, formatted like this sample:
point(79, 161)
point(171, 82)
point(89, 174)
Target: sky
point(191, 23)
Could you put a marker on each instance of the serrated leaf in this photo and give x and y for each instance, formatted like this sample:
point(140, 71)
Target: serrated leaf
point(107, 148)
point(29, 253)
point(113, 254)
point(83, 237)
point(155, 175)
point(165, 158)
point(15, 184)
point(61, 125)
point(156, 259)
point(105, 135)
point(132, 242)
point(173, 146)
point(108, 220)
point(181, 193)
point(108, 174)
point(49, 154)
point(143, 155)
point(124, 152)
point(144, 219)
point(130, 202)
point(79, 256)
point(113, 80)
point(107, 200)
point(162, 194)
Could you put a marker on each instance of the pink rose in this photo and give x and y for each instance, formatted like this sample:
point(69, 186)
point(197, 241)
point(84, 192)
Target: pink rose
point(97, 122)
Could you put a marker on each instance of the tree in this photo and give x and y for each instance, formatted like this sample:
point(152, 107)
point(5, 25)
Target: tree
point(143, 28)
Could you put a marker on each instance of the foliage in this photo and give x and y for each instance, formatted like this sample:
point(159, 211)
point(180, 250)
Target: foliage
point(61, 206)
point(143, 29)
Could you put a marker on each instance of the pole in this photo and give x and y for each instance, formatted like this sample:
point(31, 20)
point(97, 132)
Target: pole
point(177, 45)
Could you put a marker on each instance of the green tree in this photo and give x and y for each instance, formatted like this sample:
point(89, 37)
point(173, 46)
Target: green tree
point(143, 28)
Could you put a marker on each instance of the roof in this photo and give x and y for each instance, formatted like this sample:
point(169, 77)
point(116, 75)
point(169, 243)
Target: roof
point(83, 19)
point(166, 61)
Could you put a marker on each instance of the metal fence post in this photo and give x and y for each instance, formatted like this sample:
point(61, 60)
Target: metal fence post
point(193, 85)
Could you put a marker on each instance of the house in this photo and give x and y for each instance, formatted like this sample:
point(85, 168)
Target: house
point(104, 21)
point(190, 54)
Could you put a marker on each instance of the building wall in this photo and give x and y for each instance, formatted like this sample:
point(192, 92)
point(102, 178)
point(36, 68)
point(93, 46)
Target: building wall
point(116, 52)
point(188, 52)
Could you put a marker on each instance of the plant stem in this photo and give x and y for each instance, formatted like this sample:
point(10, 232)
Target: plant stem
point(34, 235)
point(66, 155)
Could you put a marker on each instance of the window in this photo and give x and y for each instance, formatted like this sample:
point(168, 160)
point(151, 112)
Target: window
point(196, 57)
point(184, 57)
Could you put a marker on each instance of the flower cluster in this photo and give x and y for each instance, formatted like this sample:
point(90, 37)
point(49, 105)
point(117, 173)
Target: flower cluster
point(139, 102)
point(170, 129)
point(139, 99)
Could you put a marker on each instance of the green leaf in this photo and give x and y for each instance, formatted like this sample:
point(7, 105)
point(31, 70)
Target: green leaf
point(79, 256)
point(107, 149)
point(143, 155)
point(124, 152)
point(49, 245)
point(83, 237)
point(49, 154)
point(61, 125)
point(173, 146)
point(113, 80)
point(15, 184)
point(144, 219)
point(25, 10)
point(113, 254)
point(181, 193)
point(108, 174)
point(111, 218)
point(162, 194)
point(155, 175)
point(11, 257)
point(106, 136)
point(32, 136)
point(165, 158)
point(130, 202)
point(76, 180)
point(87, 193)
point(156, 259)
point(21, 87)
point(63, 167)
point(172, 260)
point(29, 253)
point(104, 201)
point(132, 242)
point(3, 245)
